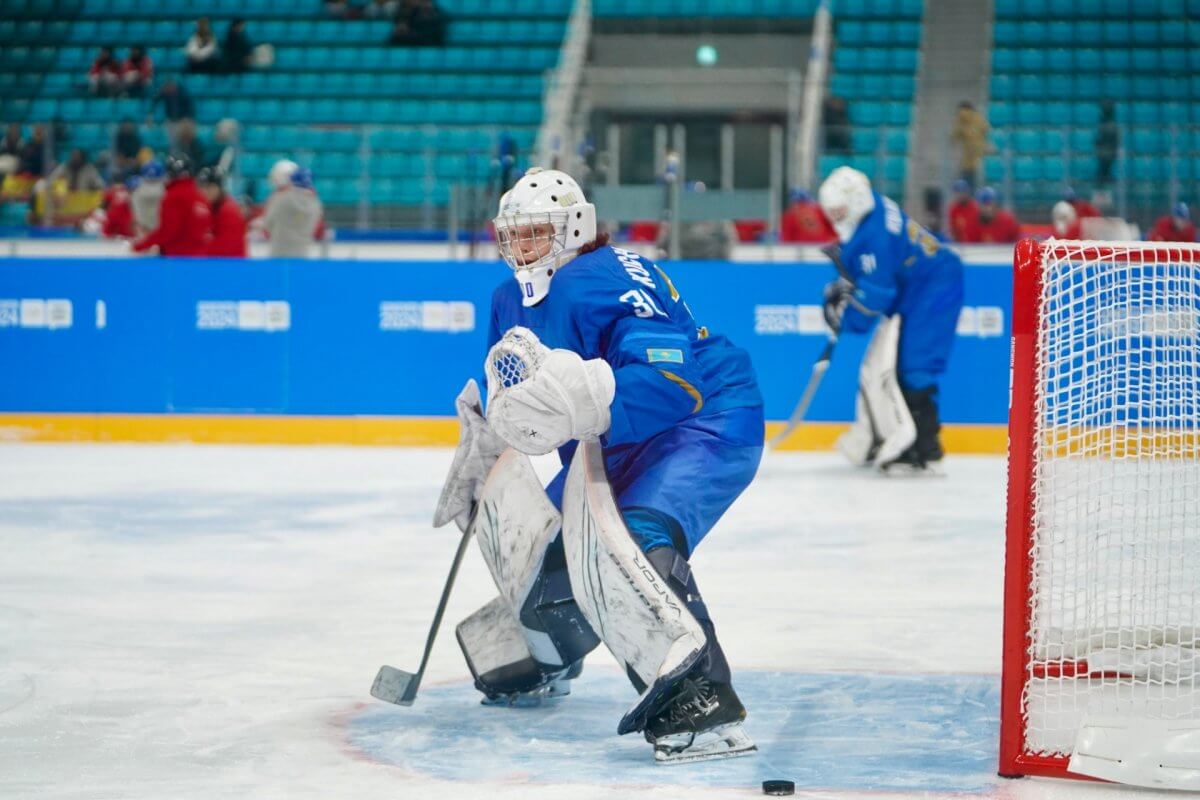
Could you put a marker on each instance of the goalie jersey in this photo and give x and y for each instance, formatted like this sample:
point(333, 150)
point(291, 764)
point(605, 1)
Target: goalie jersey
point(616, 305)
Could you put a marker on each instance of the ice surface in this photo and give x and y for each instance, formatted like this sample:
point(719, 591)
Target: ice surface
point(180, 621)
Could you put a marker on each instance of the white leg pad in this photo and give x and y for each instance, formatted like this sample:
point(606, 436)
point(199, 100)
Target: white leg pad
point(627, 603)
point(514, 526)
point(882, 415)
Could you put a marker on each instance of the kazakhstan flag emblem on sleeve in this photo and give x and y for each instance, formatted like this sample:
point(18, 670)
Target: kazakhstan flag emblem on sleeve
point(660, 354)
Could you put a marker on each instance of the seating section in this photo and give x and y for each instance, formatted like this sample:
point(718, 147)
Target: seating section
point(704, 8)
point(1055, 63)
point(874, 70)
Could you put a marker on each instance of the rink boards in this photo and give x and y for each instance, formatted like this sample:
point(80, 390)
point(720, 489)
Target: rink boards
point(374, 352)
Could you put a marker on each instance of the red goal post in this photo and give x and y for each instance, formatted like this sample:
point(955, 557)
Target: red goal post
point(1102, 557)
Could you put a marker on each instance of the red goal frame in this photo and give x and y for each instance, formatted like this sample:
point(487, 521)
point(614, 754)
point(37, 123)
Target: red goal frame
point(1028, 259)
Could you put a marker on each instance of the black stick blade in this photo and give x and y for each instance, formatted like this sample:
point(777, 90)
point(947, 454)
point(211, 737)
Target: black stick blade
point(395, 686)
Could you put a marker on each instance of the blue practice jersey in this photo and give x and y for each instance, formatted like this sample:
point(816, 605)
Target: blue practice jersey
point(615, 305)
point(889, 258)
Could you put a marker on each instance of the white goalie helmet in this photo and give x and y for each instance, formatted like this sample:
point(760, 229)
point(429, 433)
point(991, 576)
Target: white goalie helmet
point(543, 221)
point(846, 199)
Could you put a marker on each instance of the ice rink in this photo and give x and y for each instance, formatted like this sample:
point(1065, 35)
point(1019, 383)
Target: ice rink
point(182, 621)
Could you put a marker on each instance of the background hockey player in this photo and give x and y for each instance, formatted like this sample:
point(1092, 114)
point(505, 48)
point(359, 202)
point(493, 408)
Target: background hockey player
point(678, 414)
point(292, 217)
point(228, 236)
point(895, 269)
point(184, 217)
point(996, 225)
point(1175, 227)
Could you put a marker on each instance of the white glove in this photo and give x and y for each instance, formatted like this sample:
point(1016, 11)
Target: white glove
point(478, 449)
point(566, 398)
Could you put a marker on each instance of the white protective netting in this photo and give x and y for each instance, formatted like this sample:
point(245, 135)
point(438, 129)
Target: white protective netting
point(1115, 595)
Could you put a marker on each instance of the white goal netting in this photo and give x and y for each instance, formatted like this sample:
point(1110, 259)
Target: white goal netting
point(1115, 593)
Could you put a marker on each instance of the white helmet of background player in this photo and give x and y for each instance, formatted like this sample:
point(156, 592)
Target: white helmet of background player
point(281, 173)
point(846, 199)
point(543, 221)
point(1063, 215)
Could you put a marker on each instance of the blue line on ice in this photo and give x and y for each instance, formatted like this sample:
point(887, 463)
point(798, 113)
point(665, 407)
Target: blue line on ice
point(933, 733)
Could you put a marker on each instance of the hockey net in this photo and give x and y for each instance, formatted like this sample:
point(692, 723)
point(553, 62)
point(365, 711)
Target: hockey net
point(1102, 585)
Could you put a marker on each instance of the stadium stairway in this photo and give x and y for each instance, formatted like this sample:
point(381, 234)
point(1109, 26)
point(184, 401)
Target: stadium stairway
point(954, 65)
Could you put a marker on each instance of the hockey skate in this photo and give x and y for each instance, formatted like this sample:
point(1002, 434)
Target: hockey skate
point(556, 687)
point(702, 721)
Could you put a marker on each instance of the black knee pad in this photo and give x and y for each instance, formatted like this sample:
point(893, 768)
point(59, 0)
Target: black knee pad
point(551, 608)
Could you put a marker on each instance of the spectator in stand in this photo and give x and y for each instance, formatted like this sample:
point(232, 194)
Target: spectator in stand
point(339, 9)
point(381, 9)
point(237, 49)
point(803, 221)
point(137, 73)
point(420, 23)
point(996, 225)
point(1174, 227)
point(970, 133)
point(127, 148)
point(33, 154)
point(224, 150)
point(187, 143)
point(104, 77)
point(963, 213)
point(201, 49)
point(76, 174)
point(185, 219)
point(1065, 220)
point(228, 234)
point(1082, 207)
point(177, 106)
point(506, 158)
point(1107, 143)
point(835, 120)
point(147, 196)
point(10, 150)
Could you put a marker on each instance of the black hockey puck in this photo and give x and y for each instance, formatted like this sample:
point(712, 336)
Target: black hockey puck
point(779, 788)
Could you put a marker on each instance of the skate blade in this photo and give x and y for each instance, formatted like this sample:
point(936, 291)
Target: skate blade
point(546, 696)
point(725, 741)
point(908, 471)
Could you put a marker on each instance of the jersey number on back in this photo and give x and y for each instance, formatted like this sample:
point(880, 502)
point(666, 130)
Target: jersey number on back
point(643, 303)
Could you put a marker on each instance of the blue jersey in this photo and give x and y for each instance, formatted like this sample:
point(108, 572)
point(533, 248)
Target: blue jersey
point(615, 305)
point(891, 260)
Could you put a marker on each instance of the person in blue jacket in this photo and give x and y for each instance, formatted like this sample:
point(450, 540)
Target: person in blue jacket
point(891, 265)
point(675, 407)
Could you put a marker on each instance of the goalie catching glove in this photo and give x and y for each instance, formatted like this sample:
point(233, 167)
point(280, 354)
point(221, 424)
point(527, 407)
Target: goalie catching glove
point(539, 399)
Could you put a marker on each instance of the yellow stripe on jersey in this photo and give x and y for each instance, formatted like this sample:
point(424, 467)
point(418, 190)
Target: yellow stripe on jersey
point(687, 387)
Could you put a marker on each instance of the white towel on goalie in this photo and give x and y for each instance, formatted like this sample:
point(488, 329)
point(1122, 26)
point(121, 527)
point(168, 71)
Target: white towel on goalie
point(881, 415)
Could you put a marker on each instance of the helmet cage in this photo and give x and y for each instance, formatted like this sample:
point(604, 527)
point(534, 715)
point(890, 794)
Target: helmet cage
point(520, 233)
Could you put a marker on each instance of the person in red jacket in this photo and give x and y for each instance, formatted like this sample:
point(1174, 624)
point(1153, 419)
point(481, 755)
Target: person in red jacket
point(104, 76)
point(228, 222)
point(996, 226)
point(1082, 207)
point(1177, 227)
point(964, 213)
point(118, 212)
point(804, 222)
point(184, 217)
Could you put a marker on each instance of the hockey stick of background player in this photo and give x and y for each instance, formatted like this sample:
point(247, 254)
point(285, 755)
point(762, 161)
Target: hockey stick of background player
point(834, 253)
point(814, 380)
point(397, 686)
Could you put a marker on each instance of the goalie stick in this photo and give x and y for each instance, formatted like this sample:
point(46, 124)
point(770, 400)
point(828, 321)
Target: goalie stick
point(820, 366)
point(397, 686)
point(814, 380)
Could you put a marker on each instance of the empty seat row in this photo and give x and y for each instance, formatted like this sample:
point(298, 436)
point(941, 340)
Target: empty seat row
point(1138, 140)
point(704, 8)
point(869, 141)
point(1060, 171)
point(878, 9)
point(890, 168)
point(1003, 114)
point(901, 60)
point(866, 112)
point(1067, 9)
point(873, 87)
point(1060, 60)
point(1097, 33)
point(1116, 86)
point(878, 34)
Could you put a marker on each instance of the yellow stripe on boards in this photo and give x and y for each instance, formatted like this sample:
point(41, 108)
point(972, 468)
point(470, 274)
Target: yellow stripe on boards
point(393, 431)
